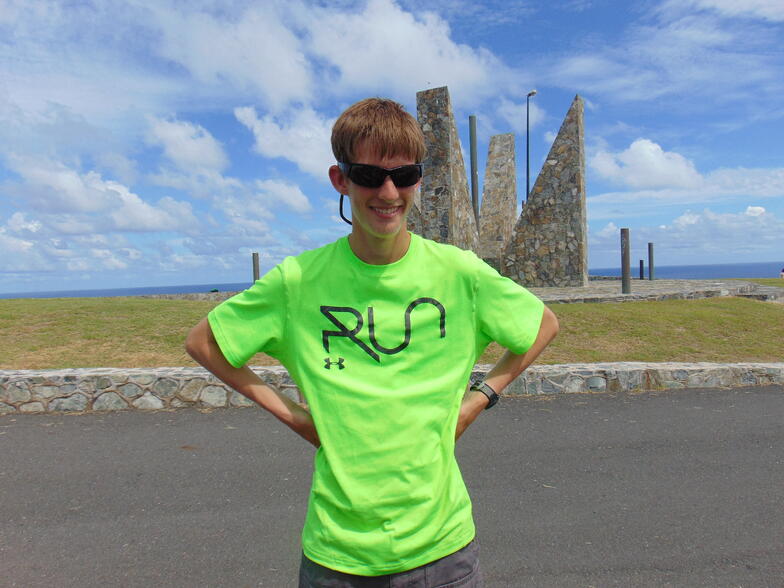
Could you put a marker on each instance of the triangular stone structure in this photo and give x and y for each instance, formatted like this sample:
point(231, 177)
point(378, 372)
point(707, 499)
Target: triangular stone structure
point(499, 199)
point(444, 212)
point(549, 245)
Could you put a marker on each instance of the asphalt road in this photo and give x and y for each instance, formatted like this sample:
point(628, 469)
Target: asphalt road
point(657, 489)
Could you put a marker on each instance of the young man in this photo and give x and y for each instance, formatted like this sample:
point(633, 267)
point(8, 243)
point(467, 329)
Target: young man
point(380, 331)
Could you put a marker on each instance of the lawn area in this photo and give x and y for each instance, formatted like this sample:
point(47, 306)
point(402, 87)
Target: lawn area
point(139, 332)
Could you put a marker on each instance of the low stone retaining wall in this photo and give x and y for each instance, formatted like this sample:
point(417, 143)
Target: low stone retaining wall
point(108, 389)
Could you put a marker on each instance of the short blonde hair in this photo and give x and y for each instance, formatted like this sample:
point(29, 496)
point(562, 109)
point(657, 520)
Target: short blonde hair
point(381, 125)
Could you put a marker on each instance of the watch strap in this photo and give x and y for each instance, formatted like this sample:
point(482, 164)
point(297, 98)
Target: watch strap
point(488, 391)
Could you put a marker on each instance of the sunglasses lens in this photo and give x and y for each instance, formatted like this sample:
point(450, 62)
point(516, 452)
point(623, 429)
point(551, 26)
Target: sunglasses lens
point(405, 176)
point(369, 176)
point(372, 176)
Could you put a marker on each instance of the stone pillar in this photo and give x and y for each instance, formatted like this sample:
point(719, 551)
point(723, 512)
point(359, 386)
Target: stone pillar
point(414, 218)
point(499, 199)
point(446, 212)
point(549, 246)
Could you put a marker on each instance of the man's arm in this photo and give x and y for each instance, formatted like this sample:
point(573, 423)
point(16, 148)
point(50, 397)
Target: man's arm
point(202, 346)
point(507, 369)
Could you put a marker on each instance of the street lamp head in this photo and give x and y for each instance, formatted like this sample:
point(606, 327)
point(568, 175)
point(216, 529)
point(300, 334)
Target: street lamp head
point(531, 93)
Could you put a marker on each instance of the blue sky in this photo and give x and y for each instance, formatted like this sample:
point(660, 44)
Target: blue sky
point(149, 143)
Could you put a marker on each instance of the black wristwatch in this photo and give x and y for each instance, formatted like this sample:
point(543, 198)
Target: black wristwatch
point(485, 389)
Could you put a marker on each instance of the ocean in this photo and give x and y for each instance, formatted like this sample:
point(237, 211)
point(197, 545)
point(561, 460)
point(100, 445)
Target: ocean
point(768, 269)
point(186, 289)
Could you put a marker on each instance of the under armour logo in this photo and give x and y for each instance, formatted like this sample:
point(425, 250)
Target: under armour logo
point(328, 363)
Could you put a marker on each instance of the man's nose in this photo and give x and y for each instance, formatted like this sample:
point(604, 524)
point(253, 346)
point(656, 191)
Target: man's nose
point(388, 190)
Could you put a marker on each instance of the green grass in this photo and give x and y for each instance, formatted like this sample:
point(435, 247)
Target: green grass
point(713, 329)
point(137, 332)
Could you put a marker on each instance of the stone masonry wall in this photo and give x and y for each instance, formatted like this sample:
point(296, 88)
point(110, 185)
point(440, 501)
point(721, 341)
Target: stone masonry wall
point(109, 389)
point(97, 389)
point(447, 215)
point(414, 218)
point(549, 245)
point(499, 199)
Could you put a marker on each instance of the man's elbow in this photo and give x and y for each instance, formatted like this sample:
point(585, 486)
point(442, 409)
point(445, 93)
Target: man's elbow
point(550, 324)
point(197, 340)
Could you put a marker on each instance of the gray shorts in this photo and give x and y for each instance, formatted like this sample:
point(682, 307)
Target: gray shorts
point(458, 569)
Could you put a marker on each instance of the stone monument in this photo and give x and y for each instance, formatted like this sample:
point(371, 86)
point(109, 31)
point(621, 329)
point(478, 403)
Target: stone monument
point(499, 199)
point(444, 208)
point(549, 245)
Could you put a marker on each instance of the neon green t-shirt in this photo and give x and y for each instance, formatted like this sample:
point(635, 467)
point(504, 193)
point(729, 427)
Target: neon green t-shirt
point(382, 355)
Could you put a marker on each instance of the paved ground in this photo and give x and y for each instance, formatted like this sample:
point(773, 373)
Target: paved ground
point(658, 489)
point(609, 290)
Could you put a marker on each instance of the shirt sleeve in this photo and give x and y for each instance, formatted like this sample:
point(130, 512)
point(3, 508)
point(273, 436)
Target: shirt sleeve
point(252, 321)
point(506, 312)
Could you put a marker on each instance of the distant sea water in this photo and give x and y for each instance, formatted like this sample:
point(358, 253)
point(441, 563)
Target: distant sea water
point(766, 269)
point(187, 289)
point(770, 269)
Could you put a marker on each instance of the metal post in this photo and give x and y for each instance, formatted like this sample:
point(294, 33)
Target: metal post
point(642, 269)
point(527, 153)
point(474, 171)
point(527, 145)
point(255, 266)
point(650, 261)
point(626, 278)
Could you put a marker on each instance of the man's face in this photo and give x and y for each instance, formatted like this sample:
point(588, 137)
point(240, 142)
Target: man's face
point(379, 212)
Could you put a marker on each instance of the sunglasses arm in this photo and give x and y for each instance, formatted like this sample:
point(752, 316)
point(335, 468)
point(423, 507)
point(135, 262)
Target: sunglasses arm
point(341, 209)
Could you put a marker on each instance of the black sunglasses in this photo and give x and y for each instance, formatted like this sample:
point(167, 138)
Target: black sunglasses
point(372, 176)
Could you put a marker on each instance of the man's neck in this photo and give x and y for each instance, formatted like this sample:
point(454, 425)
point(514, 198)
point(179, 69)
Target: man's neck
point(380, 251)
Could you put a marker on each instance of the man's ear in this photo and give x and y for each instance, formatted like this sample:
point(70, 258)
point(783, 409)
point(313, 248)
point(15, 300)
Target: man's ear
point(339, 181)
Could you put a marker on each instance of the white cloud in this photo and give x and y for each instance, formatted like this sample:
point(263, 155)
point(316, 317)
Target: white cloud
point(515, 116)
point(190, 147)
point(123, 168)
point(762, 182)
point(64, 56)
point(477, 15)
point(18, 223)
point(710, 231)
point(54, 187)
point(610, 230)
point(678, 52)
point(253, 50)
point(20, 255)
point(383, 48)
point(85, 202)
point(644, 164)
point(301, 136)
point(107, 259)
point(284, 193)
point(78, 265)
point(705, 233)
point(726, 184)
point(772, 10)
point(136, 215)
point(131, 253)
point(199, 184)
point(14, 245)
point(69, 224)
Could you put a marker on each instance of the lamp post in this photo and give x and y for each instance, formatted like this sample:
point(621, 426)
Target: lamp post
point(527, 145)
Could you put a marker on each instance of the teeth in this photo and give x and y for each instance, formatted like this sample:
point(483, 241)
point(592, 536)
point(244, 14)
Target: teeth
point(386, 210)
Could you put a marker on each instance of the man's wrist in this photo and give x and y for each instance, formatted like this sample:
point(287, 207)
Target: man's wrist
point(488, 392)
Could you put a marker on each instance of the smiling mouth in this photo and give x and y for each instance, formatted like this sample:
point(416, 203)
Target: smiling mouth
point(386, 211)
